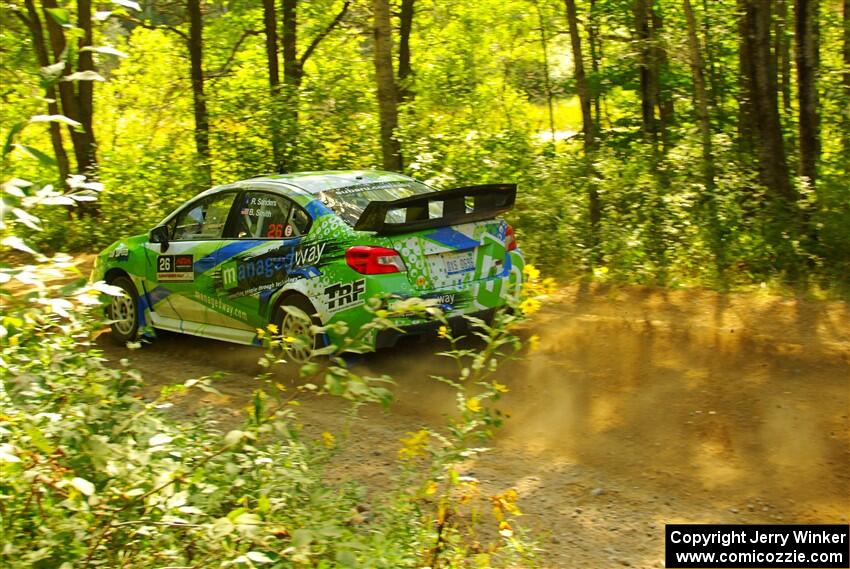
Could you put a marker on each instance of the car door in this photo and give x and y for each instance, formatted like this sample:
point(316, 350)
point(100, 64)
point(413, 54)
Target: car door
point(261, 255)
point(184, 271)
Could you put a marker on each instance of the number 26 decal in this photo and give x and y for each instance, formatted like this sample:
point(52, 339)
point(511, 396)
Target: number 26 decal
point(275, 230)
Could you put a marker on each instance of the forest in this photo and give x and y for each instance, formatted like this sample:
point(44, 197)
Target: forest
point(657, 142)
point(662, 145)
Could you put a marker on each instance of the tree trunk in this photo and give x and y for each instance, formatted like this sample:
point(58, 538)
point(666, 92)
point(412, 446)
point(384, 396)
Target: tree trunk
point(588, 126)
point(701, 96)
point(67, 93)
point(196, 56)
point(289, 38)
point(714, 87)
point(648, 101)
point(547, 83)
point(595, 55)
point(404, 68)
point(746, 102)
point(760, 74)
point(807, 54)
point(85, 89)
point(270, 30)
point(660, 64)
point(387, 101)
point(292, 73)
point(845, 132)
point(704, 120)
point(33, 22)
point(782, 50)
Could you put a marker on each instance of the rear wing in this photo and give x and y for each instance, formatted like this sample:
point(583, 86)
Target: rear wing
point(460, 205)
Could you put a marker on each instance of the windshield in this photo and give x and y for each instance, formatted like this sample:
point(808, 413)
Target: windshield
point(349, 203)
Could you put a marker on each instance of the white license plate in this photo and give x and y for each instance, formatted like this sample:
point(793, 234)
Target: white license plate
point(459, 263)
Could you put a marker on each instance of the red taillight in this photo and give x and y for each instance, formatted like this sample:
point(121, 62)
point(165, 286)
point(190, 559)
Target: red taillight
point(368, 260)
point(510, 239)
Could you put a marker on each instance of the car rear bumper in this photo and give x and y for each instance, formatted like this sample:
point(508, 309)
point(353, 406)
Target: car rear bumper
point(459, 325)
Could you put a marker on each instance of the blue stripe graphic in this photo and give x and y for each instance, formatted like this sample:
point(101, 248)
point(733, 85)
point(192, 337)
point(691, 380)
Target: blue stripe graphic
point(452, 238)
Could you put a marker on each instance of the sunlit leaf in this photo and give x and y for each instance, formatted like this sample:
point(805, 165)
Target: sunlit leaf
point(105, 49)
point(101, 286)
point(79, 182)
point(83, 485)
point(10, 138)
point(258, 557)
point(16, 242)
point(83, 197)
point(45, 159)
point(53, 70)
point(27, 219)
point(84, 76)
point(128, 4)
point(55, 118)
point(233, 437)
point(57, 200)
point(60, 15)
point(159, 440)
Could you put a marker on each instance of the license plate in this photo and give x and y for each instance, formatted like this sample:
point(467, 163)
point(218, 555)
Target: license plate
point(459, 263)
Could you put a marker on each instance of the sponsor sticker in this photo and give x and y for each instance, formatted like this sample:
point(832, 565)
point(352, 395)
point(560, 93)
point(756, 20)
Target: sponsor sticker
point(446, 299)
point(343, 296)
point(175, 268)
point(120, 253)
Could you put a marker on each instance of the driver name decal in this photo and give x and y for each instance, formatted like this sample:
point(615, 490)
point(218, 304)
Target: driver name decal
point(175, 268)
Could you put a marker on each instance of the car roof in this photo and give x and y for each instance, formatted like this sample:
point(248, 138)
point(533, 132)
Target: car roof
point(322, 181)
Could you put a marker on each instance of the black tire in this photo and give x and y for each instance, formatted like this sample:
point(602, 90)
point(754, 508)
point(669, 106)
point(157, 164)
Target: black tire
point(124, 312)
point(298, 326)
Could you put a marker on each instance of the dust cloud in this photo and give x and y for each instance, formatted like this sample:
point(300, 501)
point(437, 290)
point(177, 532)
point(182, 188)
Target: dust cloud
point(640, 407)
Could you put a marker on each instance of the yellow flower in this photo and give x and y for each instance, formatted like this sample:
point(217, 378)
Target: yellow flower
point(414, 445)
point(505, 502)
point(272, 328)
point(443, 332)
point(260, 333)
point(532, 272)
point(290, 340)
point(505, 529)
point(529, 306)
point(533, 343)
point(500, 388)
point(473, 404)
point(328, 439)
point(549, 285)
point(431, 488)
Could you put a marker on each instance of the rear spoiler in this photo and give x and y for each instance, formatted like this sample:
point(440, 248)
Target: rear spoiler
point(460, 205)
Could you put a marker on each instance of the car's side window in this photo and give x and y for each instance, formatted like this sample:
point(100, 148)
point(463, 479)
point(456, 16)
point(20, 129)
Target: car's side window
point(263, 215)
point(205, 219)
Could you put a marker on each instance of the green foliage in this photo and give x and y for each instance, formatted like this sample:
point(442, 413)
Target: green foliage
point(477, 112)
point(94, 471)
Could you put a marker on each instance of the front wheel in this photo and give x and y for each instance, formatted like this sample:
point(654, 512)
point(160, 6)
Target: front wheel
point(123, 311)
point(294, 318)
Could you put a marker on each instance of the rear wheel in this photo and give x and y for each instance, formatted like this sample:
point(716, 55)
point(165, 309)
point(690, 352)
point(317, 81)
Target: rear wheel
point(294, 318)
point(123, 311)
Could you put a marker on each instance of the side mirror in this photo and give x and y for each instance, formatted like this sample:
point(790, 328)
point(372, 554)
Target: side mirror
point(160, 235)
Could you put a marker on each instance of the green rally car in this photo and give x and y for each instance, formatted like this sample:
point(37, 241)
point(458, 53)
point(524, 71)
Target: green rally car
point(227, 262)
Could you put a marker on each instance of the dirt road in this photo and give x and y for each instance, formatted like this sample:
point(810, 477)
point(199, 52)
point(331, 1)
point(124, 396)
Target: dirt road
point(641, 407)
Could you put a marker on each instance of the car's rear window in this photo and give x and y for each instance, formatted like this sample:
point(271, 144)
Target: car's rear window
point(349, 202)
